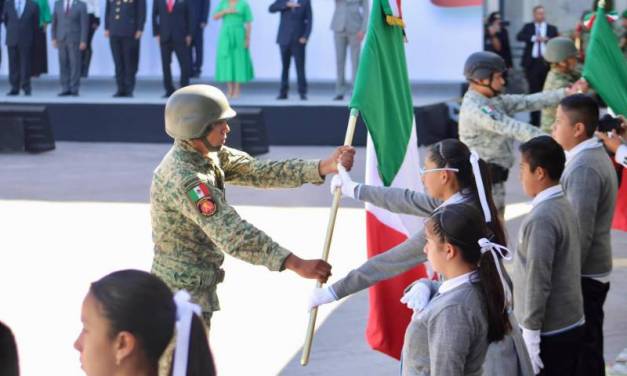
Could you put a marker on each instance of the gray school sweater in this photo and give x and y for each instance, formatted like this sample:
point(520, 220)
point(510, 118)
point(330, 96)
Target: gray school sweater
point(509, 355)
point(590, 184)
point(449, 337)
point(396, 260)
point(547, 268)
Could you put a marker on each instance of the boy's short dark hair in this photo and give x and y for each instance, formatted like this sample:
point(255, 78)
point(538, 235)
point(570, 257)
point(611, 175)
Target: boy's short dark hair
point(544, 152)
point(537, 7)
point(582, 108)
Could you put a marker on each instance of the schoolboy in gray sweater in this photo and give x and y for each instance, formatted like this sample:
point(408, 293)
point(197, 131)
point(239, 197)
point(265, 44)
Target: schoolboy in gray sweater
point(547, 266)
point(590, 184)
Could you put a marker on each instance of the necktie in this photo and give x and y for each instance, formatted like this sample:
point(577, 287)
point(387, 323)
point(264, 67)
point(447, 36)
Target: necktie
point(538, 42)
point(170, 5)
point(19, 8)
point(67, 7)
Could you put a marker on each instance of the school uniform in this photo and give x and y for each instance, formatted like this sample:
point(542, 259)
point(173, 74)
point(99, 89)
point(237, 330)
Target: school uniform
point(590, 185)
point(508, 355)
point(547, 290)
point(449, 337)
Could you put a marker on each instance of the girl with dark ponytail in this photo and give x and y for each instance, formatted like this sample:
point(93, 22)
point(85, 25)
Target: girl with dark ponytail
point(450, 336)
point(128, 321)
point(451, 174)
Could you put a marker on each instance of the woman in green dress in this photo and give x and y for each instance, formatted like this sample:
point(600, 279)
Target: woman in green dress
point(39, 63)
point(233, 63)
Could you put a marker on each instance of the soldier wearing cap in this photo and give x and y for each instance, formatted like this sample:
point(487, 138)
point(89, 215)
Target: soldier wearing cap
point(561, 53)
point(486, 122)
point(192, 224)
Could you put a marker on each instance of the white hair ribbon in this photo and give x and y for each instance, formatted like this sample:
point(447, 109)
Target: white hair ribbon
point(476, 171)
point(185, 311)
point(506, 254)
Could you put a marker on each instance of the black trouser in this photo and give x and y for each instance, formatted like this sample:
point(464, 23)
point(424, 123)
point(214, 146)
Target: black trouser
point(558, 352)
point(196, 50)
point(20, 59)
point(123, 51)
point(181, 49)
point(297, 50)
point(591, 361)
point(87, 52)
point(536, 73)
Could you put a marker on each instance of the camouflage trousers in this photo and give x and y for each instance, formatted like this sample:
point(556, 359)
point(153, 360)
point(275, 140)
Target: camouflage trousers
point(498, 195)
point(165, 362)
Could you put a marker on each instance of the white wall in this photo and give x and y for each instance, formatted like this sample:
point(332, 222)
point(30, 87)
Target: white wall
point(439, 41)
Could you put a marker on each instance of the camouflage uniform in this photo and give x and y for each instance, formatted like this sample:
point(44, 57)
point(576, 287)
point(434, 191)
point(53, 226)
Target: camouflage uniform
point(486, 125)
point(556, 80)
point(192, 230)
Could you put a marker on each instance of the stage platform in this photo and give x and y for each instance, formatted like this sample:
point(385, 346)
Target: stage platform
point(95, 116)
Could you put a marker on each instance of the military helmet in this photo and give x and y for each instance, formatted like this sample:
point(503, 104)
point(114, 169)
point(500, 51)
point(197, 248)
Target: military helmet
point(191, 110)
point(481, 65)
point(559, 49)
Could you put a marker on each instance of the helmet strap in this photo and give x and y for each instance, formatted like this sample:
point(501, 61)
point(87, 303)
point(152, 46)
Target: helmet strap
point(488, 86)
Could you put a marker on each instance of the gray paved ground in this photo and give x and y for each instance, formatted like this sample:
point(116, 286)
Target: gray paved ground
point(121, 173)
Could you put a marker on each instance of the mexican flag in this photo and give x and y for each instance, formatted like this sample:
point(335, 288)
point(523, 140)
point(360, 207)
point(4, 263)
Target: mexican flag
point(383, 97)
point(606, 71)
point(605, 68)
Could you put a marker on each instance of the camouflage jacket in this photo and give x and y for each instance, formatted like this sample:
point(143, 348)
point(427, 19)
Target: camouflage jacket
point(192, 224)
point(556, 80)
point(486, 124)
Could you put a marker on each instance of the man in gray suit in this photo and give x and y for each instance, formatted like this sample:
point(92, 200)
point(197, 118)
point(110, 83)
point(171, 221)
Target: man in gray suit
point(349, 24)
point(69, 34)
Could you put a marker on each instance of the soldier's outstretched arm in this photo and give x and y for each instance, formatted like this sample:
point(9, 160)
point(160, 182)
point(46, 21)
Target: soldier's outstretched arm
point(242, 169)
point(532, 102)
point(207, 208)
point(497, 122)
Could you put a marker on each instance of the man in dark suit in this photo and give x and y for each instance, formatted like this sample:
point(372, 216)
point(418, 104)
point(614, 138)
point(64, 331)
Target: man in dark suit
point(21, 18)
point(172, 25)
point(69, 32)
point(535, 35)
point(200, 9)
point(294, 30)
point(124, 25)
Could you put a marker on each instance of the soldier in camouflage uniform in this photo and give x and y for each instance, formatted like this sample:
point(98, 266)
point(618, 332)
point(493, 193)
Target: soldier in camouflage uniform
point(561, 53)
point(192, 224)
point(486, 124)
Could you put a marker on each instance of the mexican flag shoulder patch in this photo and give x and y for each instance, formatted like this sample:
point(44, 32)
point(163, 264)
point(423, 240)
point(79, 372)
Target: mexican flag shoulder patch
point(198, 191)
point(200, 195)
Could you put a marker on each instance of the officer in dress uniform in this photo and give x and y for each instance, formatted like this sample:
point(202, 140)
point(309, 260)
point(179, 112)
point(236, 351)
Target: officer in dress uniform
point(486, 122)
point(124, 25)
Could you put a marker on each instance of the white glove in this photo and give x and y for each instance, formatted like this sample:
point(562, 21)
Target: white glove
point(320, 296)
point(417, 296)
point(344, 181)
point(532, 342)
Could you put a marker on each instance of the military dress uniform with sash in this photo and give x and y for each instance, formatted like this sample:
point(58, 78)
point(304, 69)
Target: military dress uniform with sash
point(193, 225)
point(487, 126)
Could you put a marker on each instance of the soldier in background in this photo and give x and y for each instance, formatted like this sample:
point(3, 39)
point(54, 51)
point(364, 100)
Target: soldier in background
point(193, 225)
point(124, 25)
point(561, 53)
point(486, 122)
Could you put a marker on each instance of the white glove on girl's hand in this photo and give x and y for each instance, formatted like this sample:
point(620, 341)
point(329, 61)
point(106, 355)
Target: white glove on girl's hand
point(532, 342)
point(417, 296)
point(343, 180)
point(320, 296)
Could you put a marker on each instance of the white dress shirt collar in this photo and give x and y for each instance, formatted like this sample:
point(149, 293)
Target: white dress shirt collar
point(590, 143)
point(453, 283)
point(549, 193)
